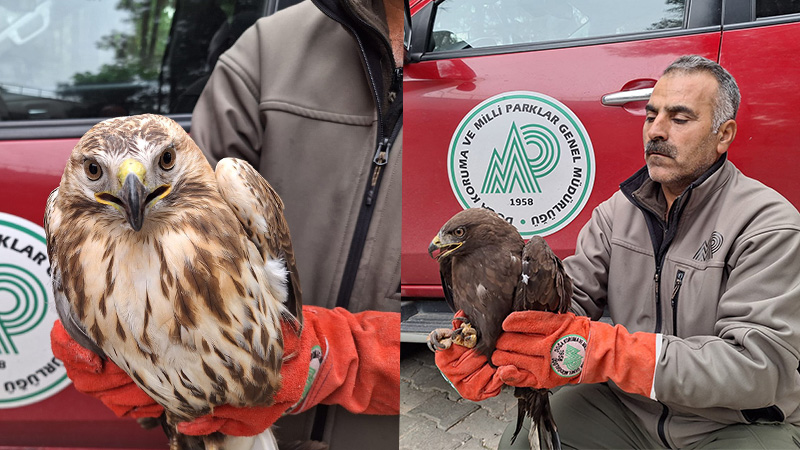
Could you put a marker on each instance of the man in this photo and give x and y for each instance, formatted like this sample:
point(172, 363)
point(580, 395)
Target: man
point(697, 264)
point(312, 97)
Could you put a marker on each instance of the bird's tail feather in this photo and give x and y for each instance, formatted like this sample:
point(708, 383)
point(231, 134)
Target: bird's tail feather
point(520, 418)
point(535, 403)
point(543, 438)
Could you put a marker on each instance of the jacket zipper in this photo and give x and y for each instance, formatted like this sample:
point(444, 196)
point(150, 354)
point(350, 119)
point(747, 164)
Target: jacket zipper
point(674, 300)
point(662, 434)
point(380, 158)
point(662, 421)
point(385, 144)
point(664, 411)
point(657, 281)
point(659, 319)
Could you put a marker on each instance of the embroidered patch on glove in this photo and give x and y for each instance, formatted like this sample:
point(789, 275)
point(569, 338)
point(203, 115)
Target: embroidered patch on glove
point(313, 368)
point(567, 355)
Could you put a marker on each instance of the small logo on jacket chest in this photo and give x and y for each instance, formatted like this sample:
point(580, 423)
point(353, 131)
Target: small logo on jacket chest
point(709, 247)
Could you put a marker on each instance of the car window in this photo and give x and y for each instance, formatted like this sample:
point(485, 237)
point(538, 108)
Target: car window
point(461, 24)
point(771, 8)
point(64, 59)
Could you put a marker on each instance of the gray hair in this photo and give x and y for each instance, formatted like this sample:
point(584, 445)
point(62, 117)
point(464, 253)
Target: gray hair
point(728, 96)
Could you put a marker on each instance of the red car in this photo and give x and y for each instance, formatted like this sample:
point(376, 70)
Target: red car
point(564, 84)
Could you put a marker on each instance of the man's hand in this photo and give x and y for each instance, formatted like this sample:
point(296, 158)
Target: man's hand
point(543, 350)
point(353, 363)
point(467, 370)
point(340, 358)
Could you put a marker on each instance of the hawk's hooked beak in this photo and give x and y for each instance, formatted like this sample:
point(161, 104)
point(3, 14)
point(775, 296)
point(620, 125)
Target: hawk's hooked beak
point(443, 248)
point(134, 196)
point(133, 193)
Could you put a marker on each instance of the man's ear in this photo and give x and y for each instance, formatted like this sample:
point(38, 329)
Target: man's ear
point(725, 134)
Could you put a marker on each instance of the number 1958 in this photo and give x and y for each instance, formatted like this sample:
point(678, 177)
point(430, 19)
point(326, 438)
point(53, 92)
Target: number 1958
point(521, 201)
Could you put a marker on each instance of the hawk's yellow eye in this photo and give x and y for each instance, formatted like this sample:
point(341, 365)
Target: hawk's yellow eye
point(459, 232)
point(167, 160)
point(92, 169)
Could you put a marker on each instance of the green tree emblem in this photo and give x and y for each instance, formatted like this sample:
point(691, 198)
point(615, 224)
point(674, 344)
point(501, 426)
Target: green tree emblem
point(572, 358)
point(514, 169)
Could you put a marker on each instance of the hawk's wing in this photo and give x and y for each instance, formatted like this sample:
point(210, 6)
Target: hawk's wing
point(544, 285)
point(69, 319)
point(260, 210)
point(483, 287)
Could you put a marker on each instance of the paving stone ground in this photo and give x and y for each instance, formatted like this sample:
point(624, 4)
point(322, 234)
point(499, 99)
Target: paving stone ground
point(434, 416)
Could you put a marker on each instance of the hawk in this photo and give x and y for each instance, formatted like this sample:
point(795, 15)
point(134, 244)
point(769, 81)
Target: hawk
point(488, 271)
point(179, 274)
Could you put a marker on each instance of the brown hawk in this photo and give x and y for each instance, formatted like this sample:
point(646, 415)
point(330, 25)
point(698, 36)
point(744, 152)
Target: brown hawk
point(179, 274)
point(487, 272)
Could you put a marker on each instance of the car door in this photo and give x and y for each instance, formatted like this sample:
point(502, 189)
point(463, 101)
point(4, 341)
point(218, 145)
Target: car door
point(507, 110)
point(760, 44)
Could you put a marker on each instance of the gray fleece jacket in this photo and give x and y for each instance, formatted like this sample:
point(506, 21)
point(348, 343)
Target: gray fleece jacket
point(719, 279)
point(310, 96)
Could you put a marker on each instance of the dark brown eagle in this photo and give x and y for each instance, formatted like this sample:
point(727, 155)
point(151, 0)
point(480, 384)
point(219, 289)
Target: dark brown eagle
point(488, 271)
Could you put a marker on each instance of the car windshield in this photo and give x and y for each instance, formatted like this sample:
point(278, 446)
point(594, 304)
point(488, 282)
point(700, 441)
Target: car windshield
point(101, 58)
point(489, 23)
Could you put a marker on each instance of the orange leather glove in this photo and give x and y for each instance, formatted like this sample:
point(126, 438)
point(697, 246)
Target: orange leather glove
point(101, 379)
point(361, 366)
point(543, 350)
point(361, 348)
point(468, 371)
point(356, 366)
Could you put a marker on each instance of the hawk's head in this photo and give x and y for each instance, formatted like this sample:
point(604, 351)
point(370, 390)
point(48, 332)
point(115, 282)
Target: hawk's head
point(471, 229)
point(126, 168)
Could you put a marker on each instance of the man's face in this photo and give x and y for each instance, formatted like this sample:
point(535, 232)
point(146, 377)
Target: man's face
point(680, 144)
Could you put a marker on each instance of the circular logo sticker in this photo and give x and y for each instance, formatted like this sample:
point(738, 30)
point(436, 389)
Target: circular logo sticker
point(28, 371)
point(525, 156)
point(567, 355)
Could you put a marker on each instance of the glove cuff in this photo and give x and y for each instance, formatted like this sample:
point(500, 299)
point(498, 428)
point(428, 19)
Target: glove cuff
point(627, 359)
point(357, 361)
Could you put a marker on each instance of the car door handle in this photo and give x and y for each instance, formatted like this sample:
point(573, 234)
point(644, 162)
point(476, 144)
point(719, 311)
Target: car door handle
point(622, 97)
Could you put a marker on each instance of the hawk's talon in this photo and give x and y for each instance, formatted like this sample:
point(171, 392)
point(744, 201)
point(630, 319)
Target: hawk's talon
point(465, 336)
point(440, 339)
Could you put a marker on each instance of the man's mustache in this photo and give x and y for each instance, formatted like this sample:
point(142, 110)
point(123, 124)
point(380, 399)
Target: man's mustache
point(660, 148)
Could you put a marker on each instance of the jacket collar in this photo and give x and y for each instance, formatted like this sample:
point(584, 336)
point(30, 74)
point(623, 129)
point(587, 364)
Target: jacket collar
point(662, 225)
point(366, 21)
point(645, 193)
point(358, 13)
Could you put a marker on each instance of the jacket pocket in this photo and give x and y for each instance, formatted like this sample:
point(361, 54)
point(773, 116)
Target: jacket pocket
point(770, 414)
